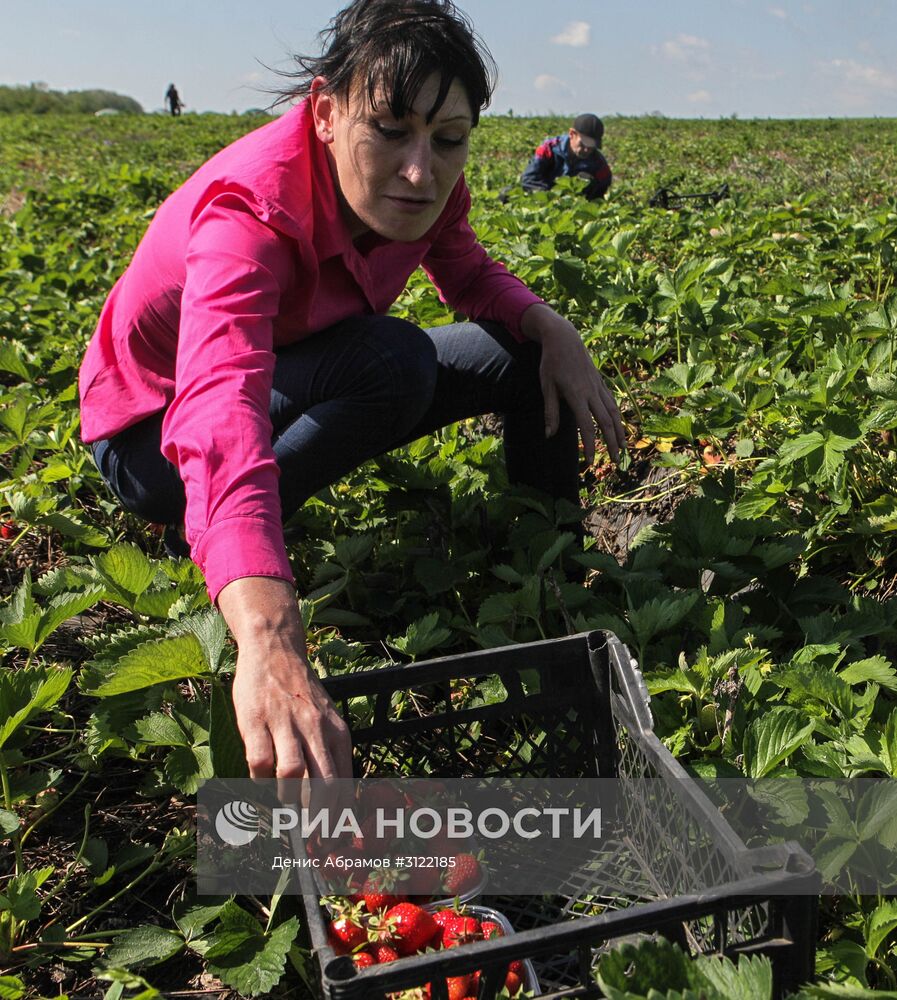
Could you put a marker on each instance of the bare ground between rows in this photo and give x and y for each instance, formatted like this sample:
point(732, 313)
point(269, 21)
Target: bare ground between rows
point(632, 501)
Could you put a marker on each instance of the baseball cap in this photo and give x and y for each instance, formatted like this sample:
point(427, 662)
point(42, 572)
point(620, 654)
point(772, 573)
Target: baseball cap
point(590, 126)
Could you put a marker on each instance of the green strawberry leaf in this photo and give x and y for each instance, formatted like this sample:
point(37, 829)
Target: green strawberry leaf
point(251, 962)
point(143, 946)
point(150, 663)
point(771, 738)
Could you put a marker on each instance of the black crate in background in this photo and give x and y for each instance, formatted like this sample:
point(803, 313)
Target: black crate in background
point(573, 707)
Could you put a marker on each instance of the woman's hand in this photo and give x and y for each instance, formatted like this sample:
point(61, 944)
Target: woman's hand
point(567, 372)
point(289, 725)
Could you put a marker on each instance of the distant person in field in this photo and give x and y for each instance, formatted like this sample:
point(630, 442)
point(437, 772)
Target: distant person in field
point(174, 99)
point(246, 358)
point(576, 154)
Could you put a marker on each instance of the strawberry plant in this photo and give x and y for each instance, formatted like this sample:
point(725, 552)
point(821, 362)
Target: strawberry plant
point(744, 550)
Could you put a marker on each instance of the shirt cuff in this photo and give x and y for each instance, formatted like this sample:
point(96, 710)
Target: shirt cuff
point(241, 546)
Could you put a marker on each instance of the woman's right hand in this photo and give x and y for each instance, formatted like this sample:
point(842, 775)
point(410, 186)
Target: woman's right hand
point(289, 725)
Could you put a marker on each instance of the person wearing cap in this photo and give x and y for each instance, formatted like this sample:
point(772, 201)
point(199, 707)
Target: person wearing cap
point(576, 154)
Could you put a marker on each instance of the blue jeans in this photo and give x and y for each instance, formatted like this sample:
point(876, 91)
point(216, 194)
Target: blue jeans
point(362, 388)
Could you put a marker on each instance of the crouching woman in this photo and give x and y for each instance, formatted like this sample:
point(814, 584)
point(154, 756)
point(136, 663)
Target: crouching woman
point(244, 360)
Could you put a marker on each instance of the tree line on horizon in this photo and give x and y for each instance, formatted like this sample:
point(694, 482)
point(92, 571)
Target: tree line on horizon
point(38, 99)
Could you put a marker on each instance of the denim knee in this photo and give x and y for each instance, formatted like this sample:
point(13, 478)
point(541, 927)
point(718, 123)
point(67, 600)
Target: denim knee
point(410, 366)
point(135, 470)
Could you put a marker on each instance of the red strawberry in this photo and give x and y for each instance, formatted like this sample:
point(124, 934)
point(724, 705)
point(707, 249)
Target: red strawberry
point(412, 927)
point(369, 843)
point(441, 844)
point(381, 795)
point(384, 953)
point(442, 918)
point(458, 987)
point(313, 845)
point(379, 891)
point(337, 859)
point(465, 874)
point(491, 929)
point(363, 958)
point(7, 529)
point(461, 930)
point(512, 983)
point(345, 932)
point(422, 882)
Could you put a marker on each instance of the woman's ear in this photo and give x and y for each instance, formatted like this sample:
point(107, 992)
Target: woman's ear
point(323, 106)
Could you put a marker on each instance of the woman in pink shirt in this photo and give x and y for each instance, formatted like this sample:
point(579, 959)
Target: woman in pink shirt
point(245, 360)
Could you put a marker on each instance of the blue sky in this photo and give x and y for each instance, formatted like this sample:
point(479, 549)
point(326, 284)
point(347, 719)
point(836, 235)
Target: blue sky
point(683, 58)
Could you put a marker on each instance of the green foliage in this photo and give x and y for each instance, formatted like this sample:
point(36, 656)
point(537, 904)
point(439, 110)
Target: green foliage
point(752, 347)
point(37, 99)
point(660, 970)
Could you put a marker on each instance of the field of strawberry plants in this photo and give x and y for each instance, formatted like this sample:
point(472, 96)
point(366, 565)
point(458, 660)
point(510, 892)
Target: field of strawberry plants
point(746, 550)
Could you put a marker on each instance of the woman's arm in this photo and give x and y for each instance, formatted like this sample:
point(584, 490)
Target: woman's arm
point(218, 433)
point(289, 725)
point(567, 372)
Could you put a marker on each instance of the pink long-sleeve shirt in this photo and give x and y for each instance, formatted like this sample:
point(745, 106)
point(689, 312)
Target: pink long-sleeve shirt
point(251, 253)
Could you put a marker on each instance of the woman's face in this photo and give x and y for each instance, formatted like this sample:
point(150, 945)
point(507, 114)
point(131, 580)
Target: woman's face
point(394, 176)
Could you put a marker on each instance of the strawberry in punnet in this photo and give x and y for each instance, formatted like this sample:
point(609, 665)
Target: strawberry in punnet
point(411, 927)
point(443, 845)
point(462, 930)
point(380, 795)
point(364, 959)
point(345, 931)
point(384, 953)
point(513, 983)
point(491, 929)
point(380, 891)
point(369, 842)
point(338, 857)
point(458, 987)
point(422, 882)
point(442, 918)
point(464, 875)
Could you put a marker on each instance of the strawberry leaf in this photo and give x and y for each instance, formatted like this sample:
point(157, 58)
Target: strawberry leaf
point(248, 961)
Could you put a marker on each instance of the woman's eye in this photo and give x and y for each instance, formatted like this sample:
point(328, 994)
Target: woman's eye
point(389, 133)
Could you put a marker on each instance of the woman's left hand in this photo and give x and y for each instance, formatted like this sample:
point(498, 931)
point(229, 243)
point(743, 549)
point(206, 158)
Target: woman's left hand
point(567, 372)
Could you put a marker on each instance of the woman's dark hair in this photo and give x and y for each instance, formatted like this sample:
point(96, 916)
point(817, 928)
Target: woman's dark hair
point(391, 47)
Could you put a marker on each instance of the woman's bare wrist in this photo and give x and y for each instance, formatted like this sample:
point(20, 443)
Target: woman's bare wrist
point(262, 610)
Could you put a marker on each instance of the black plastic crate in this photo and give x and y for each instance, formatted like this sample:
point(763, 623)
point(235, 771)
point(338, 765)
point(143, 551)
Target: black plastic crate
point(573, 707)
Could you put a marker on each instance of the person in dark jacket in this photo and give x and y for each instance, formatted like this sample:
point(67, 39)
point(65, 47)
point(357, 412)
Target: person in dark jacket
point(576, 154)
point(174, 100)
